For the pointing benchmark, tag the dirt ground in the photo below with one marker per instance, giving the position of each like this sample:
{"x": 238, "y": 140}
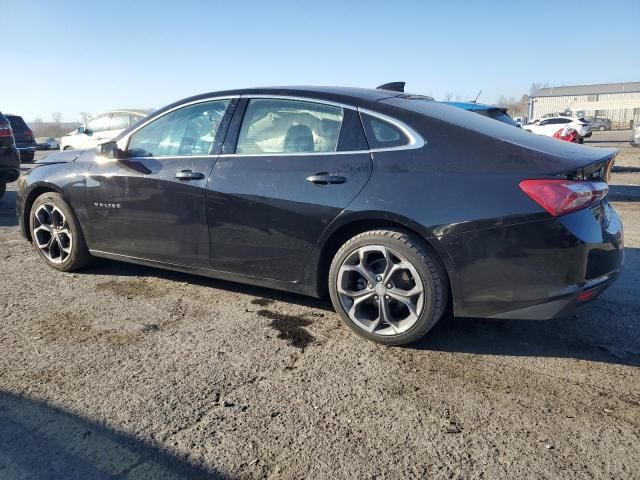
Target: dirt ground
{"x": 123, "y": 371}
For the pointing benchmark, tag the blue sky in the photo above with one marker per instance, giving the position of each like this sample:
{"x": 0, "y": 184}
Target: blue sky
{"x": 71, "y": 56}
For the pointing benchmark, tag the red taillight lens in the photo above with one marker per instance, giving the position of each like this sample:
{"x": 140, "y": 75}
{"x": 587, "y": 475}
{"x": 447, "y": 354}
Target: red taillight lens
{"x": 5, "y": 131}
{"x": 28, "y": 133}
{"x": 559, "y": 197}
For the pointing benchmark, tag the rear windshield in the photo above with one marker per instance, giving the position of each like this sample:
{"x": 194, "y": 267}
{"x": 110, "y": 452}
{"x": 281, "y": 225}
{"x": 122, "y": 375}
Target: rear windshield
{"x": 17, "y": 123}
{"x": 497, "y": 115}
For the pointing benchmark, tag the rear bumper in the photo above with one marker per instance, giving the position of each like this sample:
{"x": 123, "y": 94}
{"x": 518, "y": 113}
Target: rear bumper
{"x": 9, "y": 165}
{"x": 565, "y": 306}
{"x": 536, "y": 270}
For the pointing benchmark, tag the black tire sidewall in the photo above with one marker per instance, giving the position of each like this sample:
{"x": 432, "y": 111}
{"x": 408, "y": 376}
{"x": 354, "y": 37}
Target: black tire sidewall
{"x": 433, "y": 285}
{"x": 79, "y": 255}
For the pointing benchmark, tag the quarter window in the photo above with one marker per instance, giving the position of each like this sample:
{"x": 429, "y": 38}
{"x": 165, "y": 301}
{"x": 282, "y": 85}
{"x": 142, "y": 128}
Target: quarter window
{"x": 382, "y": 134}
{"x": 189, "y": 131}
{"x": 289, "y": 126}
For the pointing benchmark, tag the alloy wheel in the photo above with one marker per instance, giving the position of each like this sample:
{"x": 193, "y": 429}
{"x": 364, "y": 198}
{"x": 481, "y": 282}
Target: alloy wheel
{"x": 380, "y": 290}
{"x": 51, "y": 233}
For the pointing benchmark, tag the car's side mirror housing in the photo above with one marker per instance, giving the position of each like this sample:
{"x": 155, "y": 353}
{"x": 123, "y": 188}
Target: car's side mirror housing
{"x": 109, "y": 150}
{"x": 81, "y": 130}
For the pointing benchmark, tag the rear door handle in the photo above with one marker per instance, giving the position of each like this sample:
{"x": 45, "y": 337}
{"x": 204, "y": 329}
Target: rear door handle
{"x": 324, "y": 178}
{"x": 189, "y": 175}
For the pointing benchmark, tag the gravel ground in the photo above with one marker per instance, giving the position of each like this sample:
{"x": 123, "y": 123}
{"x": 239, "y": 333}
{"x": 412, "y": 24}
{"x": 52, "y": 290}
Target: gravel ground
{"x": 123, "y": 371}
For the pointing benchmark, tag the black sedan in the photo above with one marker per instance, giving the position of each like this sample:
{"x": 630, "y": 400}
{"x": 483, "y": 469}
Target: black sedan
{"x": 397, "y": 206}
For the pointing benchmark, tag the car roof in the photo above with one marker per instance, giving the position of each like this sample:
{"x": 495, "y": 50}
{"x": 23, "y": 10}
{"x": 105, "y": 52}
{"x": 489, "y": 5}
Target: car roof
{"x": 311, "y": 91}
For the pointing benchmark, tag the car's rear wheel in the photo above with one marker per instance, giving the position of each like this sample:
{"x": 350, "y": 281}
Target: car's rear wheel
{"x": 56, "y": 233}
{"x": 67, "y": 148}
{"x": 388, "y": 286}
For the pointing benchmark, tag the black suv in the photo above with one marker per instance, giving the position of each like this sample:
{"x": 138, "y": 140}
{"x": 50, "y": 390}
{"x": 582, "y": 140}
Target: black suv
{"x": 9, "y": 157}
{"x": 24, "y": 138}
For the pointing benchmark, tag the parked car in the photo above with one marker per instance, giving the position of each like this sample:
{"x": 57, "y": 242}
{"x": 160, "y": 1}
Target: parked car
{"x": 635, "y": 137}
{"x": 491, "y": 111}
{"x": 396, "y": 205}
{"x": 47, "y": 143}
{"x": 550, "y": 126}
{"x": 9, "y": 155}
{"x": 23, "y": 135}
{"x": 101, "y": 128}
{"x": 599, "y": 123}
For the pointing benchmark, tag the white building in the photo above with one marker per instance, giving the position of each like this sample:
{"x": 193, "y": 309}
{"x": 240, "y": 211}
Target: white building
{"x": 619, "y": 102}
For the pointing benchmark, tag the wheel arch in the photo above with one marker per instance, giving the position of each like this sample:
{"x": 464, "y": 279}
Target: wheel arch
{"x": 347, "y": 226}
{"x": 30, "y": 198}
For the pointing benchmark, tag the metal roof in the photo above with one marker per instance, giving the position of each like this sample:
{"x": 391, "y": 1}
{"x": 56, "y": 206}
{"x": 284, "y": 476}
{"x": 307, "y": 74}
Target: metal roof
{"x": 627, "y": 87}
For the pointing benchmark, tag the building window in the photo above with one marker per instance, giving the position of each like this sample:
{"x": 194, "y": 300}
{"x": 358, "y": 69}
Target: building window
{"x": 592, "y": 98}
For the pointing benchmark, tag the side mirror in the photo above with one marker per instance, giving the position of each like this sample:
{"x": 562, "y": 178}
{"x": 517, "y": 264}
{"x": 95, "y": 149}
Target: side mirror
{"x": 109, "y": 150}
{"x": 81, "y": 130}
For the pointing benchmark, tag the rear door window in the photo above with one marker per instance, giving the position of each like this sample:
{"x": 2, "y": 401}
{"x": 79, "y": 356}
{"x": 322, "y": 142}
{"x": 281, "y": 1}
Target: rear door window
{"x": 274, "y": 126}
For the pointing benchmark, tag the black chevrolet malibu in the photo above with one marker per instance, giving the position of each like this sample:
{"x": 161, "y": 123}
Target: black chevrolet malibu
{"x": 397, "y": 206}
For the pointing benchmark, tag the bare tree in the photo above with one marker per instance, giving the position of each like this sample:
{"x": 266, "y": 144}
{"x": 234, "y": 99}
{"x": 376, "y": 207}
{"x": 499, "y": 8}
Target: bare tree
{"x": 536, "y": 86}
{"x": 85, "y": 117}
{"x": 56, "y": 117}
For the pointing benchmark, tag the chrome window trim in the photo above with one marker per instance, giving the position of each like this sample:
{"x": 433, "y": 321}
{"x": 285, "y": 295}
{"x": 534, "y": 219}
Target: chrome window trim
{"x": 415, "y": 139}
{"x": 124, "y": 141}
{"x": 300, "y": 99}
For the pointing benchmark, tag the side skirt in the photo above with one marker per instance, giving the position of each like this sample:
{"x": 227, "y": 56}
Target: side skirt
{"x": 293, "y": 287}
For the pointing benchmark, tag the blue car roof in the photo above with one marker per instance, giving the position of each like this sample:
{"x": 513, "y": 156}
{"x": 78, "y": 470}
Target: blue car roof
{"x": 473, "y": 106}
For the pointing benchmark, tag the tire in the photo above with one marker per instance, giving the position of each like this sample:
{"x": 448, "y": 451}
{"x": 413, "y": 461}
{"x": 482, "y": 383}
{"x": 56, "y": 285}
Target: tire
{"x": 27, "y": 157}
{"x": 51, "y": 209}
{"x": 602, "y": 128}
{"x": 3, "y": 189}
{"x": 67, "y": 148}
{"x": 416, "y": 268}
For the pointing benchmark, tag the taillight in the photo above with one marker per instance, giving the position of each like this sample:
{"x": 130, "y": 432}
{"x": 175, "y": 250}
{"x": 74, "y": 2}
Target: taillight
{"x": 5, "y": 130}
{"x": 559, "y": 197}
{"x": 28, "y": 133}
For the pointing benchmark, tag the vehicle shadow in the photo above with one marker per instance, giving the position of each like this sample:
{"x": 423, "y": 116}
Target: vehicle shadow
{"x": 624, "y": 193}
{"x": 8, "y": 217}
{"x": 39, "y": 441}
{"x": 115, "y": 268}
{"x": 606, "y": 330}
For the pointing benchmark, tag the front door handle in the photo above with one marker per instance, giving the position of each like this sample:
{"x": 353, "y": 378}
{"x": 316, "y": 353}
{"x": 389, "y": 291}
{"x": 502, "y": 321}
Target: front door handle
{"x": 324, "y": 178}
{"x": 189, "y": 175}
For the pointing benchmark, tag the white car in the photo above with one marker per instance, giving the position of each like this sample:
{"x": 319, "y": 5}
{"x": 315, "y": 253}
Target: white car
{"x": 550, "y": 126}
{"x": 635, "y": 137}
{"x": 100, "y": 129}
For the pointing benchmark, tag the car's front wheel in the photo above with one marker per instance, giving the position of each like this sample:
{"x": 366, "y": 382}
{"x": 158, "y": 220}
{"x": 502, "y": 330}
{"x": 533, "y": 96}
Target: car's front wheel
{"x": 388, "y": 286}
{"x": 56, "y": 233}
